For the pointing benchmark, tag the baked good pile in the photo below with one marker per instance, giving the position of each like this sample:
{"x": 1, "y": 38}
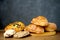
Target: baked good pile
{"x": 39, "y": 26}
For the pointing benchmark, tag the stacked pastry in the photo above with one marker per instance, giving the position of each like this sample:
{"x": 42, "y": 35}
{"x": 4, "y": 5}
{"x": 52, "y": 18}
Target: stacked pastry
{"x": 41, "y": 27}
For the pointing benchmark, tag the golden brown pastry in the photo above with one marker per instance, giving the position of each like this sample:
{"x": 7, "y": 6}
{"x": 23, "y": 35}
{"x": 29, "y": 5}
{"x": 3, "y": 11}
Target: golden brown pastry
{"x": 34, "y": 28}
{"x": 17, "y": 26}
{"x": 40, "y": 20}
{"x": 51, "y": 27}
{"x": 44, "y": 34}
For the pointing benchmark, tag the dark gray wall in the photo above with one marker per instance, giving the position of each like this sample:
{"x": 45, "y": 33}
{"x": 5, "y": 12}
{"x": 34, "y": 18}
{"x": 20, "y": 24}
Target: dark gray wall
{"x": 25, "y": 10}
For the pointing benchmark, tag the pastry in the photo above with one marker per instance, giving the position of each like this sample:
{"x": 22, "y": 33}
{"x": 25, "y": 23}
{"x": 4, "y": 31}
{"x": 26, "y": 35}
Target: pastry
{"x": 34, "y": 28}
{"x": 40, "y": 20}
{"x": 9, "y": 33}
{"x": 21, "y": 34}
{"x": 17, "y": 26}
{"x": 51, "y": 27}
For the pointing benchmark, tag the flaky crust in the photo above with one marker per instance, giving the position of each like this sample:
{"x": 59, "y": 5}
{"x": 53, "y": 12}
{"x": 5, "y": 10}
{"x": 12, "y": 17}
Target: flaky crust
{"x": 40, "y": 20}
{"x": 34, "y": 28}
{"x": 51, "y": 27}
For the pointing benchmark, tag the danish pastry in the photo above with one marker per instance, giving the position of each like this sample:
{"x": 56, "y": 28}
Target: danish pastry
{"x": 17, "y": 26}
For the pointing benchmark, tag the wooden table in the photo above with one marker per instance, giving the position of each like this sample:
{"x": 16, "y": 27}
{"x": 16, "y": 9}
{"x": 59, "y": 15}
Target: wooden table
{"x": 55, "y": 37}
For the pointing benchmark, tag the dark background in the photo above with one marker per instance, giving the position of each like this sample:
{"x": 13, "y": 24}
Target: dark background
{"x": 25, "y": 10}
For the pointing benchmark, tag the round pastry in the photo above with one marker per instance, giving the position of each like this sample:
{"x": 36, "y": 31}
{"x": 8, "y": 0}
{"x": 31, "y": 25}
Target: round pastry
{"x": 40, "y": 20}
{"x": 34, "y": 28}
{"x": 17, "y": 26}
{"x": 44, "y": 34}
{"x": 51, "y": 27}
